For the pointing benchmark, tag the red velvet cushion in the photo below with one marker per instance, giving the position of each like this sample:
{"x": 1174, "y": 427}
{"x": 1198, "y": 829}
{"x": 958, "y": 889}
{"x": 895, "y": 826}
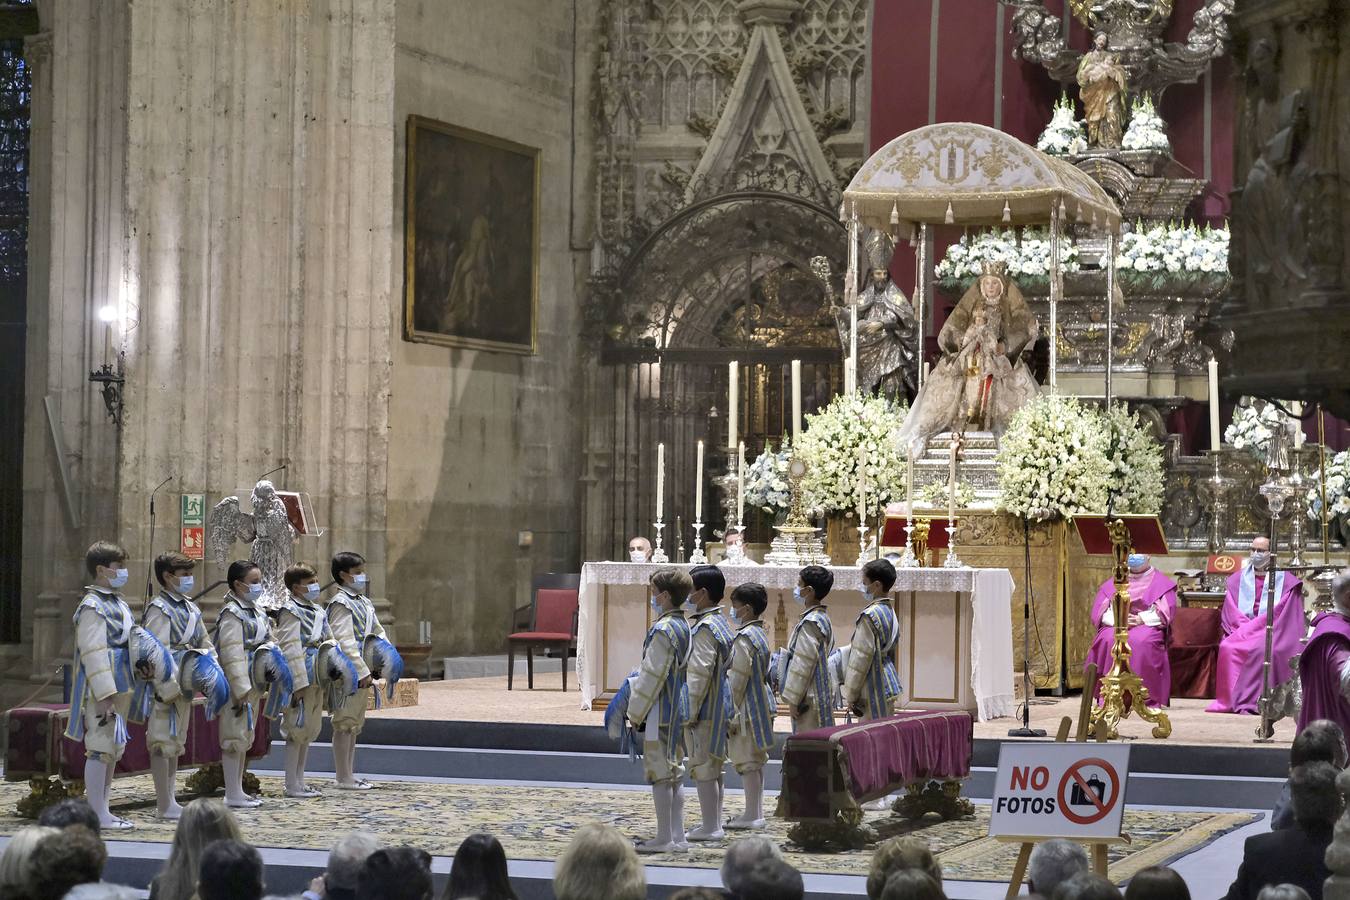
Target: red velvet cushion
{"x": 554, "y": 610}
{"x": 541, "y": 636}
{"x": 1196, "y": 626}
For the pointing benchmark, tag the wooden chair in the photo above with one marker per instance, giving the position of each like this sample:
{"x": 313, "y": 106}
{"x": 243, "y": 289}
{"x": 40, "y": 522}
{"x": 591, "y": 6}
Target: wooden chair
{"x": 553, "y": 625}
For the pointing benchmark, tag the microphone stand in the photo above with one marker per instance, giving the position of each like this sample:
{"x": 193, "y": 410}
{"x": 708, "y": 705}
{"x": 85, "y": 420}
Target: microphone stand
{"x": 1026, "y": 731}
{"x": 150, "y": 565}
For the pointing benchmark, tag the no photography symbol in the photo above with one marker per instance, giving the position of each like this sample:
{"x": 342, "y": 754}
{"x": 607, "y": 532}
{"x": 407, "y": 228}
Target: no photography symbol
{"x": 1100, "y": 798}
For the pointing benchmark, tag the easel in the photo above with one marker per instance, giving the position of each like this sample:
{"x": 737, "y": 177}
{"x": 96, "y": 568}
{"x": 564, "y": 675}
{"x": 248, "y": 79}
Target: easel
{"x": 1096, "y": 847}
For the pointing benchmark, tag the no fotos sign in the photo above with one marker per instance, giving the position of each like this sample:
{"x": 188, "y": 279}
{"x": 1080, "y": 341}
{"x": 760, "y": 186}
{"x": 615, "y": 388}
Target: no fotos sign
{"x": 1060, "y": 790}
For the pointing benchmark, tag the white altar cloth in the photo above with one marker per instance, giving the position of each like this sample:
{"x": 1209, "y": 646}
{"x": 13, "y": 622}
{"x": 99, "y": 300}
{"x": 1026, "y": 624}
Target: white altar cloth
{"x": 952, "y": 622}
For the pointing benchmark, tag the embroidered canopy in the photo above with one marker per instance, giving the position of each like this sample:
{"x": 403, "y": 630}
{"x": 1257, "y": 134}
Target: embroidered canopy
{"x": 983, "y": 176}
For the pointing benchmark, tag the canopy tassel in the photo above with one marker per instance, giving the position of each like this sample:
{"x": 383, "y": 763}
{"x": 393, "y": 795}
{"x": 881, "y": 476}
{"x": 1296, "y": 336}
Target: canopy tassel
{"x": 1007, "y": 212}
{"x": 950, "y": 218}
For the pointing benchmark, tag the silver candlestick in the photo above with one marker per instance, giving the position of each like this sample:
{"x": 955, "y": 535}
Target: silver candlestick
{"x": 659, "y": 555}
{"x": 1214, "y": 493}
{"x": 697, "y": 558}
{"x": 952, "y": 561}
{"x": 862, "y": 546}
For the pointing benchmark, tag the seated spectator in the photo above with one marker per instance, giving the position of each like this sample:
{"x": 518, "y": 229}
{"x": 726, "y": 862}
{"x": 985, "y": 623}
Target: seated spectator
{"x": 639, "y": 549}
{"x": 911, "y": 884}
{"x": 203, "y": 822}
{"x": 698, "y": 893}
{"x": 62, "y": 860}
{"x": 599, "y": 864}
{"x": 1086, "y": 886}
{"x": 741, "y": 857}
{"x": 772, "y": 879}
{"x": 101, "y": 890}
{"x": 1052, "y": 863}
{"x": 15, "y": 861}
{"x": 479, "y": 871}
{"x": 70, "y": 811}
{"x": 395, "y": 873}
{"x": 230, "y": 870}
{"x": 1321, "y": 740}
{"x": 338, "y": 882}
{"x": 1157, "y": 883}
{"x": 1282, "y": 892}
{"x": 1296, "y": 855}
{"x": 908, "y": 852}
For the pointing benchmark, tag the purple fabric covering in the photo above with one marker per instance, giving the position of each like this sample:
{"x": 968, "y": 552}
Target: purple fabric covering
{"x": 1326, "y": 654}
{"x": 1242, "y": 654}
{"x": 1148, "y": 645}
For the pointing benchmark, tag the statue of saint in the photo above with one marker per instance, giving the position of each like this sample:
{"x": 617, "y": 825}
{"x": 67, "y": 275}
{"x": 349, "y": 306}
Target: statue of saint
{"x": 1102, "y": 85}
{"x": 887, "y": 328}
{"x": 981, "y": 379}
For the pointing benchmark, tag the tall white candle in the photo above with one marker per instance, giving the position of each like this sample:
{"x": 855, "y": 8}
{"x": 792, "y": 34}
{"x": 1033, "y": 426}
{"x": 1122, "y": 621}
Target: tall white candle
{"x": 698, "y": 486}
{"x": 733, "y": 402}
{"x": 850, "y": 377}
{"x": 1215, "y": 438}
{"x": 909, "y": 486}
{"x": 951, "y": 486}
{"x": 796, "y": 401}
{"x": 862, "y": 485}
{"x": 660, "y": 481}
{"x": 740, "y": 483}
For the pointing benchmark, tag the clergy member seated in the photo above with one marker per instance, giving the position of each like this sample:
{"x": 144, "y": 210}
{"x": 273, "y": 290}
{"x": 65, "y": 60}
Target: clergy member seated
{"x": 1243, "y": 651}
{"x": 1153, "y": 602}
{"x": 734, "y": 541}
{"x": 639, "y": 550}
{"x": 1324, "y": 668}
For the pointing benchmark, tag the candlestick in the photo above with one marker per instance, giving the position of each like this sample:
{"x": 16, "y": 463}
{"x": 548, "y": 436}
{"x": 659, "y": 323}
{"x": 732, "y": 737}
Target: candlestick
{"x": 796, "y": 401}
{"x": 698, "y": 486}
{"x": 1215, "y": 439}
{"x": 952, "y": 561}
{"x": 740, "y": 484}
{"x": 909, "y": 483}
{"x": 733, "y": 402}
{"x": 660, "y": 481}
{"x": 659, "y": 555}
{"x": 862, "y": 559}
{"x": 697, "y": 558}
{"x": 907, "y": 559}
{"x": 862, "y": 486}
{"x": 951, "y": 480}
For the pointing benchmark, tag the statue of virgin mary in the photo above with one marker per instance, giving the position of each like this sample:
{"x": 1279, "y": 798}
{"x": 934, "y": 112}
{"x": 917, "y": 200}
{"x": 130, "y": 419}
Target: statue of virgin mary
{"x": 981, "y": 379}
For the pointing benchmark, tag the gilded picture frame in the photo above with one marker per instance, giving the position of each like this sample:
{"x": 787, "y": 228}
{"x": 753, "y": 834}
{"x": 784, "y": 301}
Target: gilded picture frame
{"x": 471, "y": 236}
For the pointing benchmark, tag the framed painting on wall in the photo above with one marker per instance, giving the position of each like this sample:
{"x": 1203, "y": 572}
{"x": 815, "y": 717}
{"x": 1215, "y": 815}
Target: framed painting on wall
{"x": 471, "y": 234}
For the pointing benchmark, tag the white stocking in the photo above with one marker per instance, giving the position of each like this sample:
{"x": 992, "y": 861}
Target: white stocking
{"x": 164, "y": 769}
{"x": 344, "y": 756}
{"x": 96, "y": 781}
{"x": 295, "y": 781}
{"x": 710, "y": 809}
{"x": 661, "y": 799}
{"x": 232, "y": 765}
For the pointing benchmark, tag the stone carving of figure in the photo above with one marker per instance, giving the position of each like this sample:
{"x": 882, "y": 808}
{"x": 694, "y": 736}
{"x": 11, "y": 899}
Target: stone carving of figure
{"x": 1274, "y": 238}
{"x": 266, "y": 526}
{"x": 887, "y": 329}
{"x": 981, "y": 379}
{"x": 1102, "y": 85}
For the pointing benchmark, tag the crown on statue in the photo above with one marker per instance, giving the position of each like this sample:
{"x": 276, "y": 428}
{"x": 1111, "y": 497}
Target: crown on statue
{"x": 994, "y": 267}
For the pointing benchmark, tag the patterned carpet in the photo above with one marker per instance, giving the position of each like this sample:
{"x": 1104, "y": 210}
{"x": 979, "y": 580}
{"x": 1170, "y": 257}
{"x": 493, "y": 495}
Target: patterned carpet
{"x": 537, "y": 822}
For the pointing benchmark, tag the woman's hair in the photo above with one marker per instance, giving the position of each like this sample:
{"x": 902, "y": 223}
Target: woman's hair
{"x": 908, "y": 852}
{"x": 599, "y": 862}
{"x": 203, "y": 821}
{"x": 14, "y": 861}
{"x": 479, "y": 871}
{"x": 1157, "y": 883}
{"x": 238, "y": 571}
{"x": 911, "y": 884}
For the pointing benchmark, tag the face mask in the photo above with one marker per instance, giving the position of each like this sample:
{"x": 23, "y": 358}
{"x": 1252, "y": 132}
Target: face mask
{"x": 689, "y": 607}
{"x": 637, "y": 555}
{"x": 657, "y": 607}
{"x": 252, "y": 591}
{"x": 1137, "y": 562}
{"x": 119, "y": 579}
{"x": 1260, "y": 558}
{"x": 797, "y": 595}
{"x": 186, "y": 583}
{"x": 733, "y": 618}
{"x": 361, "y": 579}
{"x": 312, "y": 591}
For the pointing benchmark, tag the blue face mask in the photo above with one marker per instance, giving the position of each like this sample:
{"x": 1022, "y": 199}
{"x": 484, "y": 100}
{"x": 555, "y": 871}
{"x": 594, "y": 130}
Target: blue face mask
{"x": 361, "y": 579}
{"x": 1136, "y": 561}
{"x": 657, "y": 606}
{"x": 312, "y": 591}
{"x": 797, "y": 595}
{"x": 186, "y": 583}
{"x": 119, "y": 579}
{"x": 252, "y": 591}
{"x": 733, "y": 618}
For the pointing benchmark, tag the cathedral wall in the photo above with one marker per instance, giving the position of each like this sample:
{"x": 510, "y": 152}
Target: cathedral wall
{"x": 485, "y": 445}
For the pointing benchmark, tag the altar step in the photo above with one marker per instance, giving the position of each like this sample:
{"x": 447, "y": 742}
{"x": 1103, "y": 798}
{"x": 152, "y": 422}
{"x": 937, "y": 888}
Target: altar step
{"x": 975, "y": 466}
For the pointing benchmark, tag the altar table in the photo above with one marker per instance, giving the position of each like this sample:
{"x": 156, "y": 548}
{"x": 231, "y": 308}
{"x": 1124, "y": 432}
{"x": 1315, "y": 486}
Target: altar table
{"x": 955, "y": 649}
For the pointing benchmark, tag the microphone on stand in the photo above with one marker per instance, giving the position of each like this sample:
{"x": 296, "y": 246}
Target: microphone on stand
{"x": 150, "y": 566}
{"x": 285, "y": 464}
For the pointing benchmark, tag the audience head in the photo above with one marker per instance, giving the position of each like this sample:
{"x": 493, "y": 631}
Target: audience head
{"x": 710, "y": 585}
{"x": 1340, "y": 591}
{"x": 345, "y": 860}
{"x": 749, "y": 601}
{"x": 742, "y": 856}
{"x": 697, "y": 893}
{"x": 70, "y": 811}
{"x": 639, "y": 549}
{"x": 479, "y": 871}
{"x": 907, "y": 852}
{"x": 15, "y": 861}
{"x": 1087, "y": 886}
{"x": 1157, "y": 883}
{"x": 203, "y": 822}
{"x": 878, "y": 573}
{"x": 1282, "y": 892}
{"x": 395, "y": 873}
{"x": 814, "y": 584}
{"x": 230, "y": 870}
{"x": 771, "y": 879}
{"x": 60, "y": 861}
{"x": 671, "y": 587}
{"x": 600, "y": 862}
{"x": 1317, "y": 803}
{"x": 1052, "y": 863}
{"x": 911, "y": 884}
{"x": 1321, "y": 740}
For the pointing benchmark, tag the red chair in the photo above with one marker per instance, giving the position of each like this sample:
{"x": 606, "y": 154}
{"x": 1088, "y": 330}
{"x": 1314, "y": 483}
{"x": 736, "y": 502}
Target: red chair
{"x": 553, "y": 625}
{"x": 1194, "y": 654}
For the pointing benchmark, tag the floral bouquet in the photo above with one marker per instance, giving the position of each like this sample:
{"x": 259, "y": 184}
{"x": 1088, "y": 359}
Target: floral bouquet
{"x": 933, "y": 495}
{"x": 1338, "y": 499}
{"x": 830, "y": 448}
{"x": 1136, "y": 464}
{"x": 1146, "y": 131}
{"x": 1052, "y": 460}
{"x": 766, "y": 480}
{"x": 1028, "y": 259}
{"x": 1158, "y": 255}
{"x": 1064, "y": 136}
{"x": 1252, "y": 428}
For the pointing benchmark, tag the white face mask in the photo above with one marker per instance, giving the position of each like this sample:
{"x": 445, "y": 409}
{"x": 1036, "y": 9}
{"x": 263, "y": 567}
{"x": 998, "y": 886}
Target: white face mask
{"x": 119, "y": 578}
{"x": 312, "y": 591}
{"x": 186, "y": 583}
{"x": 252, "y": 591}
{"x": 637, "y": 556}
{"x": 360, "y": 579}
{"x": 797, "y": 595}
{"x": 1260, "y": 558}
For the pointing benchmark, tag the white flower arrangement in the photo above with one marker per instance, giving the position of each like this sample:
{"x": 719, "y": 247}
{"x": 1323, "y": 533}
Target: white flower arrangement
{"x": 1027, "y": 259}
{"x": 1173, "y": 249}
{"x": 1146, "y": 130}
{"x": 766, "y": 480}
{"x": 829, "y": 446}
{"x": 1252, "y": 428}
{"x": 1136, "y": 460}
{"x": 933, "y": 495}
{"x": 1064, "y": 136}
{"x": 1052, "y": 460}
{"x": 1338, "y": 498}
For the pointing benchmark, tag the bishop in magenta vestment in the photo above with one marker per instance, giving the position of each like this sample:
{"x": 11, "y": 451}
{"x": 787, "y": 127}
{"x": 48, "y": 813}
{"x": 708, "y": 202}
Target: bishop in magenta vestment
{"x": 1243, "y": 651}
{"x": 1153, "y": 599}
{"x": 1322, "y": 671}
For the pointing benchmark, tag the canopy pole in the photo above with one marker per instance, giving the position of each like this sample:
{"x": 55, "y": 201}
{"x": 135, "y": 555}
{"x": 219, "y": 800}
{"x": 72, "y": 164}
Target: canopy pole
{"x": 1056, "y": 288}
{"x": 924, "y": 265}
{"x": 851, "y": 300}
{"x": 1110, "y": 310}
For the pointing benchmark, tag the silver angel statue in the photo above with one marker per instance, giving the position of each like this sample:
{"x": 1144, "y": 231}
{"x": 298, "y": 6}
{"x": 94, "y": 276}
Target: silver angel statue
{"x": 267, "y": 528}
